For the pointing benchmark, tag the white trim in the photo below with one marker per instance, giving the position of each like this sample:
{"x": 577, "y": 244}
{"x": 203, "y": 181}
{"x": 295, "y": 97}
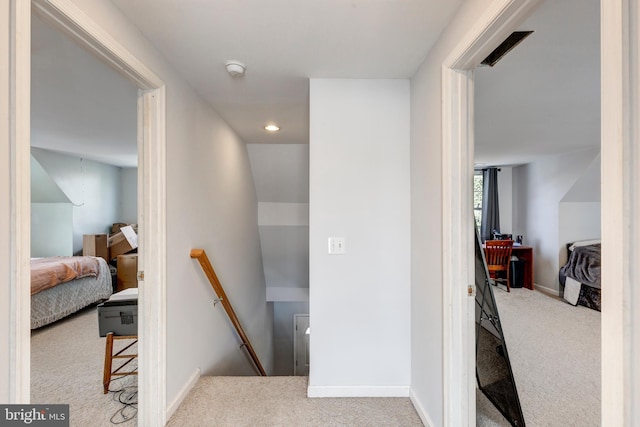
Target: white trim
{"x": 152, "y": 237}
{"x": 183, "y": 393}
{"x": 422, "y": 413}
{"x": 20, "y": 240}
{"x": 620, "y": 105}
{"x": 287, "y": 294}
{"x": 295, "y": 339}
{"x": 73, "y": 21}
{"x": 499, "y": 19}
{"x": 546, "y": 290}
{"x": 357, "y": 391}
{"x": 152, "y": 149}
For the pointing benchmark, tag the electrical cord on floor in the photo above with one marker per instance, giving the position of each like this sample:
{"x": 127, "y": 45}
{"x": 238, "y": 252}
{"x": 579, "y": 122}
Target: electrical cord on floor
{"x": 128, "y": 397}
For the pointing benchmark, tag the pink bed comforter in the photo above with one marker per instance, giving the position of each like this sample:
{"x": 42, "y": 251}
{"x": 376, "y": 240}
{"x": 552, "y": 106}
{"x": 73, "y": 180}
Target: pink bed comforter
{"x": 49, "y": 272}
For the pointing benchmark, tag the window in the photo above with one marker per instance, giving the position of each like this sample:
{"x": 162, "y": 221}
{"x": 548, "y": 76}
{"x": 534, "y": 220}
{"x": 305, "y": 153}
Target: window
{"x": 477, "y": 197}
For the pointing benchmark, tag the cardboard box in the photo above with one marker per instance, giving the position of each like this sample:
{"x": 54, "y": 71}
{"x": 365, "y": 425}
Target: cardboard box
{"x": 122, "y": 242}
{"x": 115, "y": 228}
{"x": 95, "y": 245}
{"x": 119, "y": 314}
{"x": 127, "y": 275}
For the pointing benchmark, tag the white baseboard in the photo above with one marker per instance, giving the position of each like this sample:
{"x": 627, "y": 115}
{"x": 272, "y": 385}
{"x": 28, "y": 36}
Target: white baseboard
{"x": 420, "y": 410}
{"x": 358, "y": 391}
{"x": 182, "y": 394}
{"x": 551, "y": 291}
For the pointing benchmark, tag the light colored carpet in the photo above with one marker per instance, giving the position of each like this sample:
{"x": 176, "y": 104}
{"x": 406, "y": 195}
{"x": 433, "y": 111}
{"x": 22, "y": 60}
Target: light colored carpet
{"x": 282, "y": 402}
{"x": 555, "y": 357}
{"x": 554, "y": 350}
{"x": 67, "y": 360}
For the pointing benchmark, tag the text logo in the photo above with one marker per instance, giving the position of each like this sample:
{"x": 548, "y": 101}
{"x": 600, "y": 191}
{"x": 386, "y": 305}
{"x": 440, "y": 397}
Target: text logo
{"x": 34, "y": 415}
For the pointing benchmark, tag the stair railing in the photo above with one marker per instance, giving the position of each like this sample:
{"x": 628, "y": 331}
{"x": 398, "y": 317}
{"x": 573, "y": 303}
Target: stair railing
{"x": 201, "y": 256}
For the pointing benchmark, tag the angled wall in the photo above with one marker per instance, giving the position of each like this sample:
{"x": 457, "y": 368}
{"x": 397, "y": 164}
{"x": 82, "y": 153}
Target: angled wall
{"x": 211, "y": 204}
{"x": 539, "y": 191}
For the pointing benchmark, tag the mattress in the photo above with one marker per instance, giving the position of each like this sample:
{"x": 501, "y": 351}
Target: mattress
{"x": 64, "y": 299}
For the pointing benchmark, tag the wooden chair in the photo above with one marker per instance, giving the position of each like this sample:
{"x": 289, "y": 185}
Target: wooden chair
{"x": 498, "y": 255}
{"x": 109, "y": 356}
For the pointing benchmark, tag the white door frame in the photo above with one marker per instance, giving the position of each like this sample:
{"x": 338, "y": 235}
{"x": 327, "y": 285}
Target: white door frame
{"x": 620, "y": 204}
{"x": 295, "y": 340}
{"x": 151, "y": 199}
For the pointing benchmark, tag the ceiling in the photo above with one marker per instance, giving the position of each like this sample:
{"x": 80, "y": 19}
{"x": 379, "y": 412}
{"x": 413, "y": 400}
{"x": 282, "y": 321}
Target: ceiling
{"x": 543, "y": 97}
{"x": 78, "y": 104}
{"x": 284, "y": 43}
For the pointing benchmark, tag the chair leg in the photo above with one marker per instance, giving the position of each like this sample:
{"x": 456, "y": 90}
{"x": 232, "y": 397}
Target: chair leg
{"x": 508, "y": 279}
{"x": 108, "y": 351}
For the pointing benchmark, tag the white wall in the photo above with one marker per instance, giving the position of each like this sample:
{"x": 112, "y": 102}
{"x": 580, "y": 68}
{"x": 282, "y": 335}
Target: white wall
{"x": 359, "y": 190}
{"x": 539, "y": 189}
{"x": 51, "y": 229}
{"x": 92, "y": 187}
{"x": 426, "y": 218}
{"x": 101, "y": 194}
{"x": 211, "y": 203}
{"x": 578, "y": 221}
{"x": 128, "y": 208}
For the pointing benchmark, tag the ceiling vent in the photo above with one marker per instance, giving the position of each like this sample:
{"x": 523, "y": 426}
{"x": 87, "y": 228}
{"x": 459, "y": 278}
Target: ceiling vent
{"x": 505, "y": 47}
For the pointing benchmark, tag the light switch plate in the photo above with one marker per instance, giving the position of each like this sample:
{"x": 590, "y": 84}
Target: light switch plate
{"x": 337, "y": 245}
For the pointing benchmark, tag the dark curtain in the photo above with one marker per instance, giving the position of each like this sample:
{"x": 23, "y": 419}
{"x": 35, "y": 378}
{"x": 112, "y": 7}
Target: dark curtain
{"x": 490, "y": 209}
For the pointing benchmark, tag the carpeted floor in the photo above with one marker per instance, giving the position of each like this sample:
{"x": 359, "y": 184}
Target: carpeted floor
{"x": 283, "y": 402}
{"x": 554, "y": 350}
{"x": 67, "y": 360}
{"x": 555, "y": 357}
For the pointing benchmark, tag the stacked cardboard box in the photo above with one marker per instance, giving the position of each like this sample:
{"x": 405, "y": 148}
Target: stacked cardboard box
{"x": 122, "y": 242}
{"x": 95, "y": 245}
{"x": 127, "y": 276}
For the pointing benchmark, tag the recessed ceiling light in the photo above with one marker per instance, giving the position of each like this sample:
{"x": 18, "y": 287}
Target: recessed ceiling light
{"x": 272, "y": 128}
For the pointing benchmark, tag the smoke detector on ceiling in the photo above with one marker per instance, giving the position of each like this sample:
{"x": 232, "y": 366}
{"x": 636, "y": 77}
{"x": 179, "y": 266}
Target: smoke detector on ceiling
{"x": 235, "y": 68}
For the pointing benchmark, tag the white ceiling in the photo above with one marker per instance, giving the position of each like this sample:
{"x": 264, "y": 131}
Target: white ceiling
{"x": 284, "y": 43}
{"x": 542, "y": 98}
{"x": 78, "y": 104}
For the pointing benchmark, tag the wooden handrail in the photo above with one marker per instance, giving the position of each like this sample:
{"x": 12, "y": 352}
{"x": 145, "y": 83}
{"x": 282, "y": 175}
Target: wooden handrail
{"x": 201, "y": 256}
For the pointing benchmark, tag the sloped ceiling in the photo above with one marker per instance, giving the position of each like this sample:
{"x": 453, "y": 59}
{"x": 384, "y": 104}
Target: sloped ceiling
{"x": 43, "y": 187}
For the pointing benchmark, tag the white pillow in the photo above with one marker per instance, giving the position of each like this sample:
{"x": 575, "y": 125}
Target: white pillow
{"x": 584, "y": 243}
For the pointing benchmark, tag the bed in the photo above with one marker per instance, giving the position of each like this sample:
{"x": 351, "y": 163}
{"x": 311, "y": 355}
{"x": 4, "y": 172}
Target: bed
{"x": 581, "y": 274}
{"x": 61, "y": 286}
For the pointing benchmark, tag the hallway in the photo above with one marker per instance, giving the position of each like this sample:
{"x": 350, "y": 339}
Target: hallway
{"x": 282, "y": 401}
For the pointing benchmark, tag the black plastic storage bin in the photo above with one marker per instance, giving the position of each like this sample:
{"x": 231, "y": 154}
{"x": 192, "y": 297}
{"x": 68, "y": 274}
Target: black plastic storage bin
{"x": 517, "y": 273}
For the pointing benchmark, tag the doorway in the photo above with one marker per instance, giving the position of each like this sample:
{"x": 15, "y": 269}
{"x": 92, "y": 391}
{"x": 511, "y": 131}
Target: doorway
{"x": 301, "y": 338}
{"x": 84, "y": 145}
{"x": 457, "y": 143}
{"x": 151, "y": 201}
{"x": 549, "y": 193}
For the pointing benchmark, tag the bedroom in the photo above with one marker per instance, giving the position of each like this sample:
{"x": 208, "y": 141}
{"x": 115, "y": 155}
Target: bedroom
{"x": 538, "y": 121}
{"x": 84, "y": 180}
